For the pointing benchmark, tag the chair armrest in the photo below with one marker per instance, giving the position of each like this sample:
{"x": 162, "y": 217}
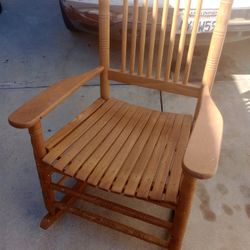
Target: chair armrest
{"x": 36, "y": 108}
{"x": 203, "y": 150}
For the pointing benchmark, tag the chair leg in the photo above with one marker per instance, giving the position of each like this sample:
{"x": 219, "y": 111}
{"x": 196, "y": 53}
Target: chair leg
{"x": 48, "y": 193}
{"x": 67, "y": 200}
{"x": 45, "y": 173}
{"x": 49, "y": 219}
{"x": 43, "y": 170}
{"x": 182, "y": 211}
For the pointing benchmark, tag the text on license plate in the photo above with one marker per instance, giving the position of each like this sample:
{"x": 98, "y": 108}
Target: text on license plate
{"x": 206, "y": 22}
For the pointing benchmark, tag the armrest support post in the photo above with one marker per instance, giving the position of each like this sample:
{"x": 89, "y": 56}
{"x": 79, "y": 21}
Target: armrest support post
{"x": 37, "y": 141}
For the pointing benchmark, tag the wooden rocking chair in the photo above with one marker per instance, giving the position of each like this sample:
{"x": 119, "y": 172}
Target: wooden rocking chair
{"x": 126, "y": 149}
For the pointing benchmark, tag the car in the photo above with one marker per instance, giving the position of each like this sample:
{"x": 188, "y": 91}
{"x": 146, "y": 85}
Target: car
{"x": 82, "y": 15}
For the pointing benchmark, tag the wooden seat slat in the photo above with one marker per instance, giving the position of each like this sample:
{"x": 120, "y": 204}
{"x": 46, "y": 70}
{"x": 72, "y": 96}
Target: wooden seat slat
{"x": 135, "y": 154}
{"x": 104, "y": 163}
{"x": 71, "y": 153}
{"x": 115, "y": 166}
{"x": 172, "y": 187}
{"x": 99, "y": 136}
{"x": 139, "y": 167}
{"x": 74, "y": 136}
{"x": 62, "y": 133}
{"x": 166, "y": 160}
{"x": 151, "y": 169}
{"x": 93, "y": 160}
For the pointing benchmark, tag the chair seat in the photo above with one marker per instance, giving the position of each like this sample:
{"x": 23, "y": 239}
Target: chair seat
{"x": 123, "y": 148}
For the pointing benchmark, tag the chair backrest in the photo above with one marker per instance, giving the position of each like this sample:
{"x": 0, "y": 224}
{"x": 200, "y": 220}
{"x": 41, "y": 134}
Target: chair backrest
{"x": 142, "y": 56}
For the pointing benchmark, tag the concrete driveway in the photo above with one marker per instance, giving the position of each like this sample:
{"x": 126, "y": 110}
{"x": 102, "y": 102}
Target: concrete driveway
{"x": 35, "y": 51}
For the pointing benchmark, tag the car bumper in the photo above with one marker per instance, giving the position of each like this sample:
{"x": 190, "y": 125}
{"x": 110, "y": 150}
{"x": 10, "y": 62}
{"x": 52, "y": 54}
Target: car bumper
{"x": 84, "y": 16}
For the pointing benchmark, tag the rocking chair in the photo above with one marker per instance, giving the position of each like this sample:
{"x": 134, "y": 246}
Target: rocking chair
{"x": 127, "y": 149}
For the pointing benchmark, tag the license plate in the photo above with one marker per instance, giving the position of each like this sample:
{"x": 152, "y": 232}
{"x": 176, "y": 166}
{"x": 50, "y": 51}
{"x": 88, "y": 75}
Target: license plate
{"x": 206, "y": 22}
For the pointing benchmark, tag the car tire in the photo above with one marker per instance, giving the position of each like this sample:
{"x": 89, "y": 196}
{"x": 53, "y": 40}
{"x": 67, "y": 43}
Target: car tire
{"x": 66, "y": 20}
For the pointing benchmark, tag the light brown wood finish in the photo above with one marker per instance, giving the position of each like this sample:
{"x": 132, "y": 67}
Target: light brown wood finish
{"x": 127, "y": 165}
{"x": 217, "y": 42}
{"x": 63, "y": 132}
{"x": 162, "y": 38}
{"x": 128, "y": 149}
{"x": 68, "y": 199}
{"x": 116, "y": 149}
{"x": 114, "y": 225}
{"x": 104, "y": 163}
{"x": 115, "y": 207}
{"x": 172, "y": 40}
{"x": 44, "y": 173}
{"x": 172, "y": 188}
{"x": 166, "y": 161}
{"x": 115, "y": 166}
{"x": 182, "y": 211}
{"x": 143, "y": 36}
{"x": 192, "y": 42}
{"x": 135, "y": 164}
{"x": 124, "y": 34}
{"x": 152, "y": 38}
{"x": 81, "y": 153}
{"x": 182, "y": 40}
{"x": 168, "y": 86}
{"x": 202, "y": 154}
{"x": 89, "y": 165}
{"x": 78, "y": 153}
{"x": 32, "y": 111}
{"x": 104, "y": 44}
{"x": 134, "y": 37}
{"x": 155, "y": 159}
{"x": 76, "y": 134}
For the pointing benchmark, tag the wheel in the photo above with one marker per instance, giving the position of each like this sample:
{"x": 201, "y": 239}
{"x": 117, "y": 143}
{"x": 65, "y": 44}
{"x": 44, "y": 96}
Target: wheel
{"x": 66, "y": 20}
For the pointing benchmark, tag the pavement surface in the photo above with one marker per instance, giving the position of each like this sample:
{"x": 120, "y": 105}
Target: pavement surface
{"x": 35, "y": 51}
